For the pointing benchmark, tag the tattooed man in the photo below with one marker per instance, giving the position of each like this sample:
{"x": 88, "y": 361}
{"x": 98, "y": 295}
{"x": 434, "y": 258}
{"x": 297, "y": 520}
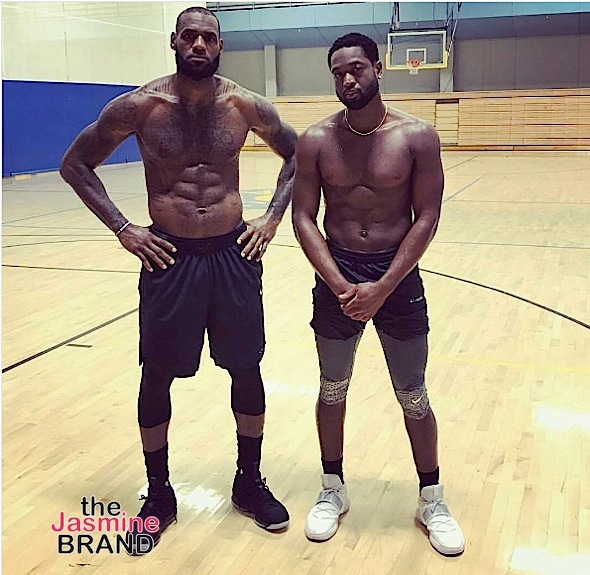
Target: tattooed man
{"x": 202, "y": 265}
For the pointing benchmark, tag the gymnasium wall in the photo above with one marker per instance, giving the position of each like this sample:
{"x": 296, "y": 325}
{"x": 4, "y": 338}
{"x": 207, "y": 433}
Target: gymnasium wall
{"x": 304, "y": 72}
{"x": 62, "y": 61}
{"x": 548, "y": 120}
{"x": 522, "y": 63}
{"x": 245, "y": 67}
{"x": 494, "y": 64}
{"x": 40, "y": 120}
{"x": 97, "y": 42}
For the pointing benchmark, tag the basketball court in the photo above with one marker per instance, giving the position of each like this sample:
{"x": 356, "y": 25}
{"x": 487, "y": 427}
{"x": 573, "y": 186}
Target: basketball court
{"x": 507, "y": 285}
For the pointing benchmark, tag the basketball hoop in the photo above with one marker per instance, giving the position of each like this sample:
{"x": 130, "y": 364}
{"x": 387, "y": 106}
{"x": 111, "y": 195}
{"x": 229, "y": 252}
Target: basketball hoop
{"x": 413, "y": 66}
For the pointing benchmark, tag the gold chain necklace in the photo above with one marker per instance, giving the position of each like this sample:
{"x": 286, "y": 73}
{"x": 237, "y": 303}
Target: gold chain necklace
{"x": 364, "y": 133}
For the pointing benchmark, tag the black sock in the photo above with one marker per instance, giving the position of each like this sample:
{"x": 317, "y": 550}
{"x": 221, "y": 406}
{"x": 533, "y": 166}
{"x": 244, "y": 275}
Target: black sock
{"x": 429, "y": 478}
{"x": 156, "y": 463}
{"x": 249, "y": 452}
{"x": 333, "y": 468}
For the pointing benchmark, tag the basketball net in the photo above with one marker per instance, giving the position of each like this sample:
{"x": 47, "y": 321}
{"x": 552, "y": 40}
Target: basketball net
{"x": 413, "y": 66}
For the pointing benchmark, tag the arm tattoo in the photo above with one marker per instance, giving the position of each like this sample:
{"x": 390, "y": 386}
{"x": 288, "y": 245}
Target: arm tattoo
{"x": 282, "y": 139}
{"x": 266, "y": 112}
{"x": 284, "y": 191}
{"x": 92, "y": 146}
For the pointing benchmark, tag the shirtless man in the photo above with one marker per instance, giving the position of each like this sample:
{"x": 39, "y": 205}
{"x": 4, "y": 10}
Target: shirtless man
{"x": 382, "y": 181}
{"x": 201, "y": 262}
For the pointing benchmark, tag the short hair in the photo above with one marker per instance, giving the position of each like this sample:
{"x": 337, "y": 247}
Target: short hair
{"x": 353, "y": 39}
{"x": 199, "y": 10}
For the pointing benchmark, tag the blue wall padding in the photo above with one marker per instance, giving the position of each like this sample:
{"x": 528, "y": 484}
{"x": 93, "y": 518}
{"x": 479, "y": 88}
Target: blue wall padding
{"x": 41, "y": 119}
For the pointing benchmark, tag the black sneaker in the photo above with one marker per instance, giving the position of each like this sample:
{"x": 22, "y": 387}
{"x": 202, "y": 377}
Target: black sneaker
{"x": 252, "y": 497}
{"x": 160, "y": 503}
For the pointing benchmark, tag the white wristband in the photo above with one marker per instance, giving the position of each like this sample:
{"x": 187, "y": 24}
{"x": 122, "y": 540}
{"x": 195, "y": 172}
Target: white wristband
{"x": 122, "y": 229}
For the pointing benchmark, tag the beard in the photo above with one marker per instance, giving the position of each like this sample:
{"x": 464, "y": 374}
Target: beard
{"x": 365, "y": 98}
{"x": 198, "y": 72}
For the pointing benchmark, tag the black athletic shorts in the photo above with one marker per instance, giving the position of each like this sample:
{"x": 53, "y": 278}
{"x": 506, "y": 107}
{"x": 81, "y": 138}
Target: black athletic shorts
{"x": 403, "y": 316}
{"x": 210, "y": 286}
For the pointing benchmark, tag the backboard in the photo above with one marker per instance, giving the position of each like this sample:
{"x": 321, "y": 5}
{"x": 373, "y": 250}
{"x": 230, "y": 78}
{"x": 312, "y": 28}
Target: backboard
{"x": 404, "y": 49}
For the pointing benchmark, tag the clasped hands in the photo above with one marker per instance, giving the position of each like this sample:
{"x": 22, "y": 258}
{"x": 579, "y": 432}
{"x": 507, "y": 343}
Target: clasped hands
{"x": 362, "y": 301}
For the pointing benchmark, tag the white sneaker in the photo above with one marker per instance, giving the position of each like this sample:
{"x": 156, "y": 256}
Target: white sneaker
{"x": 332, "y": 502}
{"x": 444, "y": 532}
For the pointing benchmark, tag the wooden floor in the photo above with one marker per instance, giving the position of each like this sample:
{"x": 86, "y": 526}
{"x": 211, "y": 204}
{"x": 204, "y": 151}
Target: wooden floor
{"x": 507, "y": 280}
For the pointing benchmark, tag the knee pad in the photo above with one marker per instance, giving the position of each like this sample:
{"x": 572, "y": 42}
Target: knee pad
{"x": 153, "y": 405}
{"x": 333, "y": 392}
{"x": 247, "y": 391}
{"x": 406, "y": 361}
{"x": 414, "y": 402}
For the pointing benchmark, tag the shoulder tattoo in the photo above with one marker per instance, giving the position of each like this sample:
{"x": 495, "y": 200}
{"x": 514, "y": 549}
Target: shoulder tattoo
{"x": 121, "y": 115}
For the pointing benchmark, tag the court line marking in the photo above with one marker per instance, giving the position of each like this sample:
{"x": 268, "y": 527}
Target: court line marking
{"x": 130, "y": 197}
{"x": 524, "y": 202}
{"x": 107, "y": 239}
{"x": 509, "y": 294}
{"x": 538, "y": 173}
{"x": 96, "y": 328}
{"x": 45, "y": 227}
{"x": 462, "y": 190}
{"x": 105, "y": 236}
{"x": 46, "y": 191}
{"x": 460, "y": 163}
{"x": 60, "y": 269}
{"x": 66, "y": 210}
{"x": 67, "y": 235}
{"x": 511, "y": 245}
{"x": 67, "y": 341}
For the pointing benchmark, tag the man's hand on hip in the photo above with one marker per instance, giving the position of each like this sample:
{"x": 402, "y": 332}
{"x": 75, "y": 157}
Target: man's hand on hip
{"x": 259, "y": 233}
{"x": 148, "y": 247}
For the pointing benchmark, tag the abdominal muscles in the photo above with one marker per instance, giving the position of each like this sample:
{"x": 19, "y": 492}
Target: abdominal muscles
{"x": 365, "y": 219}
{"x": 200, "y": 201}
